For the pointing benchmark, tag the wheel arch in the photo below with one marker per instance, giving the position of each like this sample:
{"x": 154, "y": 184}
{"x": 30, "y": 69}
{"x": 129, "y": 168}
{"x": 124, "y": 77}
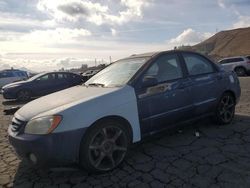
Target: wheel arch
{"x": 239, "y": 66}
{"x": 24, "y": 89}
{"x": 231, "y": 92}
{"x": 120, "y": 119}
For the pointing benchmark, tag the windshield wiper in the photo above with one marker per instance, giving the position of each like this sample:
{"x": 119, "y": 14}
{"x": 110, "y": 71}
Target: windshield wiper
{"x": 96, "y": 84}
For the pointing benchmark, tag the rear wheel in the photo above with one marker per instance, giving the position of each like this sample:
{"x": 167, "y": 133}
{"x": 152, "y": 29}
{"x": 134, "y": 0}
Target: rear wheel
{"x": 240, "y": 71}
{"x": 225, "y": 109}
{"x": 24, "y": 95}
{"x": 104, "y": 146}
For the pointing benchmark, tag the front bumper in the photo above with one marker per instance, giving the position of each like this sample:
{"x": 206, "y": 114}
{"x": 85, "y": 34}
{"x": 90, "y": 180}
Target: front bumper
{"x": 50, "y": 150}
{"x": 8, "y": 94}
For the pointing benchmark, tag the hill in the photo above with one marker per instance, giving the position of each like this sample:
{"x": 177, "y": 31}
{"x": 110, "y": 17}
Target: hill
{"x": 226, "y": 43}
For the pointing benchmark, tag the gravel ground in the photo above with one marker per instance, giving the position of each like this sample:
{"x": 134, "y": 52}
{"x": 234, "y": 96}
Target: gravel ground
{"x": 218, "y": 157}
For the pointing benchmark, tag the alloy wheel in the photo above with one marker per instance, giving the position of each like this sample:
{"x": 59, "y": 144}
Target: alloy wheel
{"x": 240, "y": 71}
{"x": 24, "y": 95}
{"x": 226, "y": 108}
{"x": 107, "y": 148}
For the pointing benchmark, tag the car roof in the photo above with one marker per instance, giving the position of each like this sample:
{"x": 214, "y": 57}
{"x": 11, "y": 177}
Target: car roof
{"x": 14, "y": 70}
{"x": 232, "y": 57}
{"x": 152, "y": 54}
{"x": 56, "y": 72}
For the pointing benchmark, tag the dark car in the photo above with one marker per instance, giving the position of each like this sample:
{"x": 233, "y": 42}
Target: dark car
{"x": 41, "y": 84}
{"x": 88, "y": 74}
{"x": 125, "y": 102}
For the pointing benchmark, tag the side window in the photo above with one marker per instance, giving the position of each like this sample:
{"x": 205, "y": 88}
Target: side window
{"x": 166, "y": 67}
{"x": 43, "y": 78}
{"x": 7, "y": 74}
{"x": 197, "y": 65}
{"x": 61, "y": 76}
{"x": 47, "y": 77}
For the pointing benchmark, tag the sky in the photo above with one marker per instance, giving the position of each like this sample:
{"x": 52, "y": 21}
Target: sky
{"x": 43, "y": 35}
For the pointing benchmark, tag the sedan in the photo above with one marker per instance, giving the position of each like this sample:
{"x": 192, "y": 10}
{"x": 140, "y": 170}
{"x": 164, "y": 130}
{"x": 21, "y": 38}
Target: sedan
{"x": 94, "y": 124}
{"x": 39, "y": 85}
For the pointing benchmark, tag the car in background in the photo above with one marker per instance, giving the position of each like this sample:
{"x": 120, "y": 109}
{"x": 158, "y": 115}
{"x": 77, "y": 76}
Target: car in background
{"x": 40, "y": 84}
{"x": 88, "y": 74}
{"x": 12, "y": 75}
{"x": 94, "y": 124}
{"x": 240, "y": 64}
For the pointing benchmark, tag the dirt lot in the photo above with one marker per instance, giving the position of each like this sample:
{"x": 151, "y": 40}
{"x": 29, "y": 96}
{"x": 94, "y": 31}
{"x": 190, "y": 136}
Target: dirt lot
{"x": 218, "y": 157}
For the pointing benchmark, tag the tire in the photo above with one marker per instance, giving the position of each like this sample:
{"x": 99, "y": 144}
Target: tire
{"x": 104, "y": 146}
{"x": 24, "y": 95}
{"x": 240, "y": 71}
{"x": 225, "y": 109}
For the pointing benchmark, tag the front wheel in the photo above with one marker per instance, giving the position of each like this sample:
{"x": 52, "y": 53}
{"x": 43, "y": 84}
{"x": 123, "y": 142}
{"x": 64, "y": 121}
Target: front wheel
{"x": 225, "y": 109}
{"x": 104, "y": 146}
{"x": 23, "y": 95}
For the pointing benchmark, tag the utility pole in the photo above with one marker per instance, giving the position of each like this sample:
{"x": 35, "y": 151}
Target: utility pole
{"x": 110, "y": 60}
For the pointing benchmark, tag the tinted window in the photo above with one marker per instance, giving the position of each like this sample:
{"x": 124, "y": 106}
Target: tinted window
{"x": 20, "y": 74}
{"x": 231, "y": 60}
{"x": 197, "y": 64}
{"x": 248, "y": 57}
{"x": 6, "y": 74}
{"x": 223, "y": 61}
{"x": 47, "y": 77}
{"x": 73, "y": 75}
{"x": 166, "y": 67}
{"x": 61, "y": 76}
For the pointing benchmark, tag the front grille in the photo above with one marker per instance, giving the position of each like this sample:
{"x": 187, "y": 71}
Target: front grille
{"x": 17, "y": 124}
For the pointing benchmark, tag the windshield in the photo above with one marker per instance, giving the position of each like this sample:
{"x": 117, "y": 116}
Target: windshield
{"x": 35, "y": 77}
{"x": 117, "y": 74}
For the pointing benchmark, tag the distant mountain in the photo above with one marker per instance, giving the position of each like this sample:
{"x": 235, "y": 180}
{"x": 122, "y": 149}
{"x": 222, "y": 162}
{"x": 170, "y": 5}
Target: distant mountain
{"x": 228, "y": 43}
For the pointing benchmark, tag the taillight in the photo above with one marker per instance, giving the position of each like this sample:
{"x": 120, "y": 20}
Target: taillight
{"x": 248, "y": 62}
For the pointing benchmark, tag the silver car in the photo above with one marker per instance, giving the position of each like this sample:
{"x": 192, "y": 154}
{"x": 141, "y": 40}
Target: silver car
{"x": 241, "y": 65}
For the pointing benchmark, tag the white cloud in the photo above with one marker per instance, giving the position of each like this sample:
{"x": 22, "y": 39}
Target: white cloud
{"x": 189, "y": 37}
{"x": 221, "y": 3}
{"x": 75, "y": 10}
{"x": 243, "y": 21}
{"x": 113, "y": 32}
{"x": 58, "y": 35}
{"x": 46, "y": 64}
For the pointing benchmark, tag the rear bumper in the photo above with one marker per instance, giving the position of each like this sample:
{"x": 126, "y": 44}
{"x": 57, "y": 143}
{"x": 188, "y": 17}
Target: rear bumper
{"x": 50, "y": 150}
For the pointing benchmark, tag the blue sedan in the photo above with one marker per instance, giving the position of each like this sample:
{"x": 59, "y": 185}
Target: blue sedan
{"x": 94, "y": 124}
{"x": 39, "y": 85}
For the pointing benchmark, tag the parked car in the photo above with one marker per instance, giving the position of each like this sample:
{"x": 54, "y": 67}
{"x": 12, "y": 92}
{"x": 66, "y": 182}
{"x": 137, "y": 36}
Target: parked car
{"x": 12, "y": 75}
{"x": 241, "y": 65}
{"x": 88, "y": 74}
{"x": 40, "y": 84}
{"x": 94, "y": 124}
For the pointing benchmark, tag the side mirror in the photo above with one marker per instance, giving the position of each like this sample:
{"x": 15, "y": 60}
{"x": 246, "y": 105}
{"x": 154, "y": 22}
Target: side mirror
{"x": 149, "y": 81}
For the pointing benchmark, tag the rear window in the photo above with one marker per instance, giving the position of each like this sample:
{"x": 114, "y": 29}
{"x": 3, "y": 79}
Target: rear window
{"x": 231, "y": 60}
{"x": 248, "y": 57}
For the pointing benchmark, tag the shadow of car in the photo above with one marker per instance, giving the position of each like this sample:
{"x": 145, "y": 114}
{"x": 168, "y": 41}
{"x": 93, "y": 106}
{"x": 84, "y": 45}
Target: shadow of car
{"x": 40, "y": 85}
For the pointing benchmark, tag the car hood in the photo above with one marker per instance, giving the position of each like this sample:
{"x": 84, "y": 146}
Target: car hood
{"x": 59, "y": 99}
{"x": 14, "y": 84}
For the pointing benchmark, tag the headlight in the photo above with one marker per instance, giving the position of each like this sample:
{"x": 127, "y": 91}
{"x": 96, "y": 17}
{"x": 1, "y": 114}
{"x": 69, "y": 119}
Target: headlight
{"x": 43, "y": 125}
